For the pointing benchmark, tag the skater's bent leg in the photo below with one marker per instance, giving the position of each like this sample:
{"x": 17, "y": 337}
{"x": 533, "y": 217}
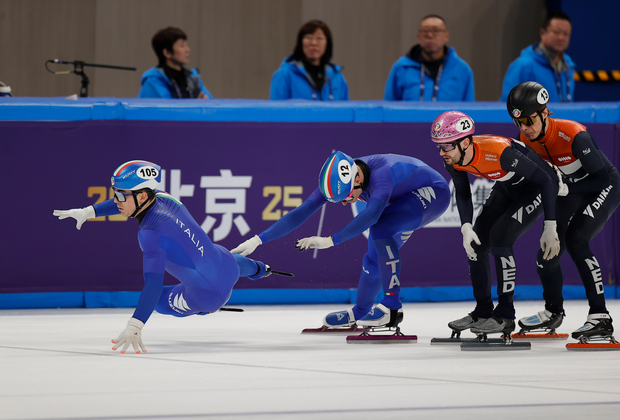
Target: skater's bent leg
{"x": 368, "y": 287}
{"x": 249, "y": 268}
{"x": 183, "y": 301}
{"x": 389, "y": 270}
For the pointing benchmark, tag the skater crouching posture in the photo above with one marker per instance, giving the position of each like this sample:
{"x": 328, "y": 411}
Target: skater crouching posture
{"x": 591, "y": 199}
{"x": 171, "y": 241}
{"x": 402, "y": 194}
{"x": 525, "y": 186}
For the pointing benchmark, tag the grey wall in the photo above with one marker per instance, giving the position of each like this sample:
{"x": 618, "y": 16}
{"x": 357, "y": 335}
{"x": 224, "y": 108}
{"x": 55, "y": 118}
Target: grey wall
{"x": 238, "y": 44}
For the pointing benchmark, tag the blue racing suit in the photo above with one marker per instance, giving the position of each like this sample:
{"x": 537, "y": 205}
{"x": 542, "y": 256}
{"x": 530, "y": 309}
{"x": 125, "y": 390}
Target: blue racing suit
{"x": 172, "y": 241}
{"x": 402, "y": 194}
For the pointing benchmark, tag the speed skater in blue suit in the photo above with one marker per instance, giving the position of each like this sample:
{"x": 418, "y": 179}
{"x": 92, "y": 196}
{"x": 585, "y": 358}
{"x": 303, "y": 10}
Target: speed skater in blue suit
{"x": 171, "y": 241}
{"x": 402, "y": 194}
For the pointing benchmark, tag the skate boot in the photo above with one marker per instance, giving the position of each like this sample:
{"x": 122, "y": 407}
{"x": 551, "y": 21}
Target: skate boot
{"x": 543, "y": 320}
{"x": 263, "y": 271}
{"x": 380, "y": 316}
{"x": 340, "y": 319}
{"x": 465, "y": 323}
{"x": 494, "y": 324}
{"x": 597, "y": 325}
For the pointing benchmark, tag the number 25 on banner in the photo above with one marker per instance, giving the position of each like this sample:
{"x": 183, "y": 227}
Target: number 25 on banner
{"x": 281, "y": 194}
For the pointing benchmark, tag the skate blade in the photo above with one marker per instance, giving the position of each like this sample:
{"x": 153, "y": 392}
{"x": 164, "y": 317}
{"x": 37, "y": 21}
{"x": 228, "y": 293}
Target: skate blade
{"x": 486, "y": 345}
{"x": 334, "y": 331}
{"x": 602, "y": 345}
{"x": 282, "y": 273}
{"x": 539, "y": 336}
{"x": 443, "y": 341}
{"x": 395, "y": 338}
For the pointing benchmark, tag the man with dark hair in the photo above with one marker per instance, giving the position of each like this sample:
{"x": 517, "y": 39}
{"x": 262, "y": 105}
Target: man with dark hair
{"x": 546, "y": 62}
{"x": 170, "y": 79}
{"x": 431, "y": 71}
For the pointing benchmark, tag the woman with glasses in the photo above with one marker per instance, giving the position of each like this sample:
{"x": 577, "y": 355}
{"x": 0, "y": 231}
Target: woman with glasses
{"x": 430, "y": 71}
{"x": 171, "y": 241}
{"x": 525, "y": 187}
{"x": 402, "y": 193}
{"x": 308, "y": 72}
{"x": 592, "y": 197}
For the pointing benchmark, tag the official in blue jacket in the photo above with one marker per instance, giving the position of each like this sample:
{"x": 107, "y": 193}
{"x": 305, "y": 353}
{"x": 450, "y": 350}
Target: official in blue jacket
{"x": 308, "y": 73}
{"x": 431, "y": 71}
{"x": 170, "y": 79}
{"x": 545, "y": 62}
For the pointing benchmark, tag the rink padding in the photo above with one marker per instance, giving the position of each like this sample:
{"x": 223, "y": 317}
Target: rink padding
{"x": 82, "y": 109}
{"x": 59, "y": 154}
{"x": 270, "y": 297}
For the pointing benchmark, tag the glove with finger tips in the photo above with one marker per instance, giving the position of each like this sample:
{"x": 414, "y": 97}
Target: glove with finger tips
{"x": 468, "y": 236}
{"x": 247, "y": 247}
{"x": 549, "y": 241}
{"x": 317, "y": 242}
{"x": 131, "y": 335}
{"x": 80, "y": 215}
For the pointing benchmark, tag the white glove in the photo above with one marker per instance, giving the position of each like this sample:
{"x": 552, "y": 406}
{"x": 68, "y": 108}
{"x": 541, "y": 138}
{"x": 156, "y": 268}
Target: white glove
{"x": 549, "y": 241}
{"x": 81, "y": 215}
{"x": 468, "y": 236}
{"x": 563, "y": 188}
{"x": 247, "y": 247}
{"x": 131, "y": 335}
{"x": 317, "y": 242}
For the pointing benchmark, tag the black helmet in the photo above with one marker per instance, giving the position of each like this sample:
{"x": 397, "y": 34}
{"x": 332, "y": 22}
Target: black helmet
{"x": 525, "y": 99}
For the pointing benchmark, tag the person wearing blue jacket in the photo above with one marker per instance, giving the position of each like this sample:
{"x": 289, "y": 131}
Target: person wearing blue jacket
{"x": 308, "y": 72}
{"x": 546, "y": 62}
{"x": 402, "y": 194}
{"x": 169, "y": 79}
{"x": 431, "y": 71}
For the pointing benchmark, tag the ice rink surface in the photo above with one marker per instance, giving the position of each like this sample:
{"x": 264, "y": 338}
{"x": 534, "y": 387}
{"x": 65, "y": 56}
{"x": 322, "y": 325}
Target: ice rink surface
{"x": 257, "y": 365}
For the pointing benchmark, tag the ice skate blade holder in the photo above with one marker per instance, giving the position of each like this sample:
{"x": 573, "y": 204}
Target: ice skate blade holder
{"x": 539, "y": 335}
{"x": 333, "y": 331}
{"x": 482, "y": 343}
{"x": 368, "y": 336}
{"x": 601, "y": 343}
{"x": 455, "y": 338}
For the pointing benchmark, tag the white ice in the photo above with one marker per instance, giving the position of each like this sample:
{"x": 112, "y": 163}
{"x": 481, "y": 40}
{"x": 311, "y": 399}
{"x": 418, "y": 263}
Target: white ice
{"x": 256, "y": 365}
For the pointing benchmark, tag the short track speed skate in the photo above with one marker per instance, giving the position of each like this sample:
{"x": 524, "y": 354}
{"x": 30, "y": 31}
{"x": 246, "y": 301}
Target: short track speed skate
{"x": 381, "y": 319}
{"x": 541, "y": 326}
{"x": 460, "y": 325}
{"x": 493, "y": 325}
{"x": 341, "y": 322}
{"x": 595, "y": 335}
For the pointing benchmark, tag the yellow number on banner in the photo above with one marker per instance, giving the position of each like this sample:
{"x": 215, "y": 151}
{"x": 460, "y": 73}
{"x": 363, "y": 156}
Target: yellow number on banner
{"x": 292, "y": 202}
{"x": 270, "y": 212}
{"x": 101, "y": 192}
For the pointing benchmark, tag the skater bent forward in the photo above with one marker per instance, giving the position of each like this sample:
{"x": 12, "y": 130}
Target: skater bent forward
{"x": 402, "y": 194}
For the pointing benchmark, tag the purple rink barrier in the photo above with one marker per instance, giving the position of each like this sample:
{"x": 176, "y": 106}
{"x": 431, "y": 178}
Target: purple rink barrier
{"x": 236, "y": 178}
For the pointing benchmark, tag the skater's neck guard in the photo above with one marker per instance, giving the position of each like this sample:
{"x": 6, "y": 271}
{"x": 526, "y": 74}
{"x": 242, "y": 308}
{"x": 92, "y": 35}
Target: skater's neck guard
{"x": 361, "y": 165}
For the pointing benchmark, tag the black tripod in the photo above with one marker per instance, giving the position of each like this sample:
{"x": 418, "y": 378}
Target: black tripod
{"x": 78, "y": 68}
